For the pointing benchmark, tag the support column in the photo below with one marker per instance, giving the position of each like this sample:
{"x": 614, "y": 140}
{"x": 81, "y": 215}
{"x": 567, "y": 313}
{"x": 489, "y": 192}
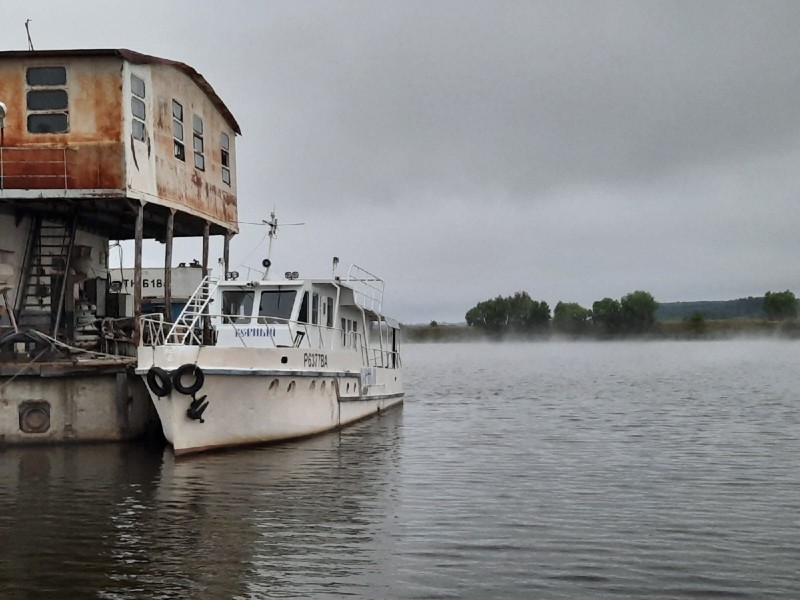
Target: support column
{"x": 226, "y": 253}
{"x": 206, "y": 323}
{"x": 168, "y": 266}
{"x": 137, "y": 275}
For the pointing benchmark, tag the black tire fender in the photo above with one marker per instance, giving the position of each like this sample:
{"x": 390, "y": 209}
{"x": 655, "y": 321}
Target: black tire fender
{"x": 159, "y": 382}
{"x": 183, "y": 370}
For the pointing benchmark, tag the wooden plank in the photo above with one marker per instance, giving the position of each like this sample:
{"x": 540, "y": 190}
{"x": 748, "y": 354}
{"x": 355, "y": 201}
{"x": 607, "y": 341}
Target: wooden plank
{"x": 168, "y": 266}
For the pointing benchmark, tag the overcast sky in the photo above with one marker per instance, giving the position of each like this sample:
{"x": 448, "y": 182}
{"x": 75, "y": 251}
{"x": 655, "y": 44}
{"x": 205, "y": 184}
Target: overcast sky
{"x": 461, "y": 150}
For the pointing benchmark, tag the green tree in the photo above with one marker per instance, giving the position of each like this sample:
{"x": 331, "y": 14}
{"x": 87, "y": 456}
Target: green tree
{"x": 607, "y": 315}
{"x": 571, "y": 317}
{"x": 697, "y": 322}
{"x": 780, "y": 306}
{"x": 527, "y": 314}
{"x": 489, "y": 315}
{"x": 638, "y": 310}
{"x": 518, "y": 313}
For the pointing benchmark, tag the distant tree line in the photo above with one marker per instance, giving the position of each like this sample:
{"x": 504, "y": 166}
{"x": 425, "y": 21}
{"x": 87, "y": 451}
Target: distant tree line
{"x": 521, "y": 314}
{"x": 635, "y": 313}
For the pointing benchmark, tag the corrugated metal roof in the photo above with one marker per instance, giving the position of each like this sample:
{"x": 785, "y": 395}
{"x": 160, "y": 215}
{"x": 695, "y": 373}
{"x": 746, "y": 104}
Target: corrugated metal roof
{"x": 138, "y": 59}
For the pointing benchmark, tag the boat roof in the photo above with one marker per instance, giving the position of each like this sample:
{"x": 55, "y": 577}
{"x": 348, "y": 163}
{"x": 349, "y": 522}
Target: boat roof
{"x": 244, "y": 284}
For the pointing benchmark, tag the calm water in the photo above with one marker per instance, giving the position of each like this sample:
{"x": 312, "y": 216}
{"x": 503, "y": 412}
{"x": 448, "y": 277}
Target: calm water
{"x": 551, "y": 470}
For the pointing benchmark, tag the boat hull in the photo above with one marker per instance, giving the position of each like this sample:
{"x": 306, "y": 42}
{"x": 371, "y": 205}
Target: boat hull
{"x": 262, "y": 404}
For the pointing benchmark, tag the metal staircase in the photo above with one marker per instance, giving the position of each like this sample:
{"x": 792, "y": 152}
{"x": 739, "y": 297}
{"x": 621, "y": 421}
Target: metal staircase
{"x": 186, "y": 325}
{"x": 43, "y": 285}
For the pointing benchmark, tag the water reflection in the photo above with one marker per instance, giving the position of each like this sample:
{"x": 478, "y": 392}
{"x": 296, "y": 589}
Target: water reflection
{"x": 130, "y": 521}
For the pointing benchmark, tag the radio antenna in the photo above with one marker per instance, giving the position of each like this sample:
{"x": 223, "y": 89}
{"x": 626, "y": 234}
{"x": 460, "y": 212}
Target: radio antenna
{"x": 28, "y": 31}
{"x": 273, "y": 232}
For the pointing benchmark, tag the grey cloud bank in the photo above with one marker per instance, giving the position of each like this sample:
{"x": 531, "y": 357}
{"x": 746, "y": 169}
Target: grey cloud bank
{"x": 467, "y": 149}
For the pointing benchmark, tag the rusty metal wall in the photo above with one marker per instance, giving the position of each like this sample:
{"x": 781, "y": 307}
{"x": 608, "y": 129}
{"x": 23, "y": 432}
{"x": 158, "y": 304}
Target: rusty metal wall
{"x": 90, "y": 155}
{"x": 100, "y": 156}
{"x": 201, "y": 192}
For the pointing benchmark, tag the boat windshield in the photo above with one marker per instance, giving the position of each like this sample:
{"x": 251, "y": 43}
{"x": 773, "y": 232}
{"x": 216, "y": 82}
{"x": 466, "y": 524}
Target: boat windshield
{"x": 277, "y": 304}
{"x": 237, "y": 306}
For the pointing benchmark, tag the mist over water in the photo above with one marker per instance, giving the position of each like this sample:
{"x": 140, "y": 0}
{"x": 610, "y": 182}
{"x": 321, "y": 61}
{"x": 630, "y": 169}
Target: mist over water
{"x": 543, "y": 470}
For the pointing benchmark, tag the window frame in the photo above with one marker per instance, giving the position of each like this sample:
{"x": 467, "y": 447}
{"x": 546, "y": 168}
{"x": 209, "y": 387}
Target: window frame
{"x": 197, "y": 141}
{"x": 138, "y": 99}
{"x": 38, "y": 88}
{"x": 178, "y": 144}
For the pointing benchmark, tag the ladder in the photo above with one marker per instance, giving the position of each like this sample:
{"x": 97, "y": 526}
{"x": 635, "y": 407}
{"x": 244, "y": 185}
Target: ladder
{"x": 186, "y": 324}
{"x": 43, "y": 285}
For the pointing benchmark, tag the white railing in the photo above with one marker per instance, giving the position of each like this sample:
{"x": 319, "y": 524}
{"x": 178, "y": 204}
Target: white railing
{"x": 17, "y": 168}
{"x": 367, "y": 288}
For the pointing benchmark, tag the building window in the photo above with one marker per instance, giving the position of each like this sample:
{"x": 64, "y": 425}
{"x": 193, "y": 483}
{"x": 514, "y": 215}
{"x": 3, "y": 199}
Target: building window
{"x": 225, "y": 157}
{"x": 197, "y": 143}
{"x": 47, "y": 100}
{"x": 138, "y": 108}
{"x": 177, "y": 130}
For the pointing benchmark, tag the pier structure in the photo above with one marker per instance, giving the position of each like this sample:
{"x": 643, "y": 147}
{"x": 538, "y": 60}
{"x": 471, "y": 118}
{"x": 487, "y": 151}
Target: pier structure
{"x": 96, "y": 146}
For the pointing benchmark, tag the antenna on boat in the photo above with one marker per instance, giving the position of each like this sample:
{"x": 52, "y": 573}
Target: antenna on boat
{"x": 273, "y": 233}
{"x": 28, "y": 31}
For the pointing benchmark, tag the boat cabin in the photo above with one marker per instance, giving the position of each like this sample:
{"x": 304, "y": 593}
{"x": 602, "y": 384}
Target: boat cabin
{"x": 321, "y": 314}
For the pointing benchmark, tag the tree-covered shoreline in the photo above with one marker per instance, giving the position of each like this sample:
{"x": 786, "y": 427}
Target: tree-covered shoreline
{"x": 634, "y": 316}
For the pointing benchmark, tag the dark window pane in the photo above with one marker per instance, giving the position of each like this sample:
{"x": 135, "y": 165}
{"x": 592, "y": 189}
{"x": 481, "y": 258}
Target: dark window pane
{"x": 303, "y": 316}
{"x": 226, "y": 175}
{"x": 199, "y": 161}
{"x": 46, "y": 76}
{"x": 177, "y": 130}
{"x": 237, "y": 306}
{"x": 47, "y": 100}
{"x": 330, "y": 312}
{"x": 177, "y": 110}
{"x": 314, "y": 309}
{"x": 226, "y": 159}
{"x": 137, "y": 106}
{"x": 138, "y": 130}
{"x": 277, "y": 304}
{"x": 197, "y": 123}
{"x": 48, "y": 123}
{"x": 224, "y": 142}
{"x": 198, "y": 144}
{"x": 137, "y": 86}
{"x": 179, "y": 151}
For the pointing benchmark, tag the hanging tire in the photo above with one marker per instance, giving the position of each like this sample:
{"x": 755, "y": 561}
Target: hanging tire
{"x": 183, "y": 370}
{"x": 159, "y": 382}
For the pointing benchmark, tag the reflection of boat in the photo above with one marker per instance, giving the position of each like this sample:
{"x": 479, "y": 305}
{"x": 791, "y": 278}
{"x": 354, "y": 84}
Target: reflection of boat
{"x": 281, "y": 359}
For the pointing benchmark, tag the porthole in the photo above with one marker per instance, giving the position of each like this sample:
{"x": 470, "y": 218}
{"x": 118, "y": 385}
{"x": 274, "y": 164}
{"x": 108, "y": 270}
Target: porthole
{"x": 273, "y": 384}
{"x": 313, "y": 384}
{"x": 291, "y": 386}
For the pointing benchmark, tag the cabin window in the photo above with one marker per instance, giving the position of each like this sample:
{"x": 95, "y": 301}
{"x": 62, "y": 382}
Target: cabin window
{"x": 330, "y": 312}
{"x": 138, "y": 108}
{"x": 47, "y": 100}
{"x": 197, "y": 143}
{"x": 303, "y": 316}
{"x": 314, "y": 309}
{"x": 277, "y": 304}
{"x": 237, "y": 306}
{"x": 177, "y": 131}
{"x": 225, "y": 157}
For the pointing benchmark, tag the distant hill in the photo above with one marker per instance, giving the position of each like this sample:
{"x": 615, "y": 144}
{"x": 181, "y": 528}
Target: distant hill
{"x": 712, "y": 309}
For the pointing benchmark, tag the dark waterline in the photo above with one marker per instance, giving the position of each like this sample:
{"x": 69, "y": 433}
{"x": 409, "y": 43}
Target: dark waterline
{"x": 552, "y": 470}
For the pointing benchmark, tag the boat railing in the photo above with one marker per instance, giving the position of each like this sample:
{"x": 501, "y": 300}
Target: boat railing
{"x": 367, "y": 288}
{"x": 154, "y": 329}
{"x": 384, "y": 359}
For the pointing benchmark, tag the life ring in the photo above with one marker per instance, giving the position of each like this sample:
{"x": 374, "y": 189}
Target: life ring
{"x": 199, "y": 378}
{"x": 159, "y": 382}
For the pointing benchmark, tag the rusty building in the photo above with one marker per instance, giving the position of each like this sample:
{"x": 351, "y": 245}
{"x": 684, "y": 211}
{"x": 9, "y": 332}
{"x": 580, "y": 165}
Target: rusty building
{"x": 96, "y": 145}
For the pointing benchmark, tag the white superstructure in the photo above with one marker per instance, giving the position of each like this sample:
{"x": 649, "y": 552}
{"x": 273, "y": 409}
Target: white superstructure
{"x": 259, "y": 361}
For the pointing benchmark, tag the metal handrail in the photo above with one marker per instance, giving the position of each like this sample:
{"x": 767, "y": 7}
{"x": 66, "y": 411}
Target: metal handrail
{"x": 60, "y": 170}
{"x": 154, "y": 333}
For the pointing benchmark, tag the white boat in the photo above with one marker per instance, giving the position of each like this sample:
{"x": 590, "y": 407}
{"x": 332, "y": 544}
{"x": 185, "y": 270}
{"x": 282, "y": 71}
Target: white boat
{"x": 249, "y": 362}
